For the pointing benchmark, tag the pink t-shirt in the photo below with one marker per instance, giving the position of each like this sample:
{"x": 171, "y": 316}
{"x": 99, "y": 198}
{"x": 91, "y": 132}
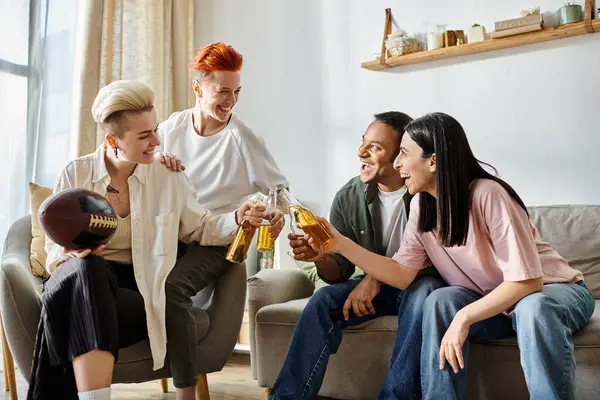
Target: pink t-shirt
{"x": 502, "y": 245}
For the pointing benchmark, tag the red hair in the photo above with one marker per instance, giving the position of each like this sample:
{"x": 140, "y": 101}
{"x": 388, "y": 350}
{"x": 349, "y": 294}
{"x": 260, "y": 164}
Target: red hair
{"x": 216, "y": 57}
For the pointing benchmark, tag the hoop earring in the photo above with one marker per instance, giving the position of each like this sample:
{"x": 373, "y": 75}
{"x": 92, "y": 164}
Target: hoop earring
{"x": 116, "y": 152}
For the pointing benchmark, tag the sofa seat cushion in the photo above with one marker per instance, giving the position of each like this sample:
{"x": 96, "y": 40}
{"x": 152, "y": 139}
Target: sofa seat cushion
{"x": 288, "y": 313}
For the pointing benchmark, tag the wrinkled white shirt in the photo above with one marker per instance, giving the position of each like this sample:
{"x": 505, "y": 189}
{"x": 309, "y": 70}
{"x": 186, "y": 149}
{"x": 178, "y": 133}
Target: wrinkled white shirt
{"x": 163, "y": 210}
{"x": 226, "y": 167}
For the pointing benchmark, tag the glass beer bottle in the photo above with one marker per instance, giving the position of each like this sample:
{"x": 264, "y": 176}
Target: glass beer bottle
{"x": 265, "y": 242}
{"x": 310, "y": 252}
{"x": 238, "y": 249}
{"x": 304, "y": 219}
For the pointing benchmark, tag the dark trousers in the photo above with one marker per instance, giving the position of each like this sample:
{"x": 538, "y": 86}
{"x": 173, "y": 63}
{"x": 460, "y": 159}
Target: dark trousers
{"x": 87, "y": 304}
{"x": 197, "y": 267}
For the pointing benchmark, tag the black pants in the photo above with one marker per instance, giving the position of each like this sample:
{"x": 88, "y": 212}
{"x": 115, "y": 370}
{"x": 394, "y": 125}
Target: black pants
{"x": 87, "y": 304}
{"x": 197, "y": 267}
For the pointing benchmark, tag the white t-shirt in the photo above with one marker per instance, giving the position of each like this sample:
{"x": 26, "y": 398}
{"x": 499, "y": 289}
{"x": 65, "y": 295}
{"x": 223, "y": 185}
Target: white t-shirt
{"x": 393, "y": 219}
{"x": 226, "y": 167}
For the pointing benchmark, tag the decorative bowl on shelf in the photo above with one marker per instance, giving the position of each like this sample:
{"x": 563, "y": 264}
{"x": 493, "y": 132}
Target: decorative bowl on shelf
{"x": 404, "y": 49}
{"x": 569, "y": 14}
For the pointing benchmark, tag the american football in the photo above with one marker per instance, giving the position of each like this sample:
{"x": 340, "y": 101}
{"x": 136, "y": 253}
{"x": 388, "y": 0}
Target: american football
{"x": 78, "y": 219}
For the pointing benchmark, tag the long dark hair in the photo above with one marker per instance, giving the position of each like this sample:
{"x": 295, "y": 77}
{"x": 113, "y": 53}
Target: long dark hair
{"x": 456, "y": 168}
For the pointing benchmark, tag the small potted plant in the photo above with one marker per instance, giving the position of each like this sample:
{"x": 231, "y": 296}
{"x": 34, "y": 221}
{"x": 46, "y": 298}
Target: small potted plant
{"x": 476, "y": 33}
{"x": 569, "y": 14}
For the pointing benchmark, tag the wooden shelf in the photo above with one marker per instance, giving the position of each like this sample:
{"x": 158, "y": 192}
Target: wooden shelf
{"x": 484, "y": 46}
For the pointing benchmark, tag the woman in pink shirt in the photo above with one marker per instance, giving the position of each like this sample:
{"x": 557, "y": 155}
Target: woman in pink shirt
{"x": 503, "y": 278}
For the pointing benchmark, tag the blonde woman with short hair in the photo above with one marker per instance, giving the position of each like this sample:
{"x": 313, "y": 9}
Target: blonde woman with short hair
{"x": 99, "y": 300}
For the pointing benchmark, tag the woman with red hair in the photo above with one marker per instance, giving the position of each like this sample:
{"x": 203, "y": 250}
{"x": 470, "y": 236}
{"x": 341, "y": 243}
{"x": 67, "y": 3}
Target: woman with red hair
{"x": 226, "y": 161}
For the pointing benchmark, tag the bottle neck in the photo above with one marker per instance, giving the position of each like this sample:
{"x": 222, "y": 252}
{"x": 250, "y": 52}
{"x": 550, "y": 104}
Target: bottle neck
{"x": 289, "y": 200}
{"x": 272, "y": 201}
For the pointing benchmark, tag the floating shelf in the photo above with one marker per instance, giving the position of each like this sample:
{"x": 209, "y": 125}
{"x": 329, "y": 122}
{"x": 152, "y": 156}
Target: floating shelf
{"x": 484, "y": 46}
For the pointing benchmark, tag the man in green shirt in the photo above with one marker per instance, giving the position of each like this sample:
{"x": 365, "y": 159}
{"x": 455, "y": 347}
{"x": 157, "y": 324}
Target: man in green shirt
{"x": 372, "y": 210}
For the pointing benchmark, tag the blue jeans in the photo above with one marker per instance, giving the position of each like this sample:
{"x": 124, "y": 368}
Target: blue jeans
{"x": 316, "y": 337}
{"x": 544, "y": 323}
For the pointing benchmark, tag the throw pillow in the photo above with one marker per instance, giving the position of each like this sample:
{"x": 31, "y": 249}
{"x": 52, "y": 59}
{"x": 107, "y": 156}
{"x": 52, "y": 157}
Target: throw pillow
{"x": 37, "y": 256}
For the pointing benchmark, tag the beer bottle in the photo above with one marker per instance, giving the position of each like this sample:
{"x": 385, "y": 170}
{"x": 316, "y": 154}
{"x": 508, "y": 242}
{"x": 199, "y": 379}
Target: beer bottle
{"x": 304, "y": 219}
{"x": 238, "y": 249}
{"x": 265, "y": 242}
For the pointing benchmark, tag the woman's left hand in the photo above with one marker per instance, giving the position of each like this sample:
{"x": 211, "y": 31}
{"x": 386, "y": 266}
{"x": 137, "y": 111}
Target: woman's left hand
{"x": 452, "y": 343}
{"x": 250, "y": 212}
{"x": 277, "y": 220}
{"x": 334, "y": 245}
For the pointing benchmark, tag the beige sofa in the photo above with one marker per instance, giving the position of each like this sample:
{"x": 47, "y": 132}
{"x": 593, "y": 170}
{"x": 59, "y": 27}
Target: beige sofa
{"x": 277, "y": 298}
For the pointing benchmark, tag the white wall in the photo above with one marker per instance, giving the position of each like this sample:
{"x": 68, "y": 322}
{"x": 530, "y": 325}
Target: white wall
{"x": 533, "y": 112}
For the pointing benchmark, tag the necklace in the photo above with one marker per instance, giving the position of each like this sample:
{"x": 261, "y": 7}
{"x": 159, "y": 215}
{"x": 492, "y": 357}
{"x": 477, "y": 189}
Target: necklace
{"x": 115, "y": 193}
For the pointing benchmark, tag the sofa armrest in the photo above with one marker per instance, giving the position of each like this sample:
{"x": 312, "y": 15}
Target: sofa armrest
{"x": 19, "y": 302}
{"x": 273, "y": 286}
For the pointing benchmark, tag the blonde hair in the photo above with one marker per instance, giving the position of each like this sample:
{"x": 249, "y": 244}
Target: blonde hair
{"x": 118, "y": 97}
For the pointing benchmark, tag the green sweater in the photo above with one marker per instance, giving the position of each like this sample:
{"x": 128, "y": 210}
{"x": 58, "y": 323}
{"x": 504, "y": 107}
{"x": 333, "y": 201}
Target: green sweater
{"x": 355, "y": 214}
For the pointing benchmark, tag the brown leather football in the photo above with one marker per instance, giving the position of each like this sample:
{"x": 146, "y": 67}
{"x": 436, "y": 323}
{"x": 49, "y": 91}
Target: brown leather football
{"x": 78, "y": 219}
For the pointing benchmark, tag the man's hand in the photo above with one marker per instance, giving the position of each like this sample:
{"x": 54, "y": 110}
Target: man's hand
{"x": 361, "y": 298}
{"x": 84, "y": 253}
{"x": 301, "y": 249}
{"x": 171, "y": 162}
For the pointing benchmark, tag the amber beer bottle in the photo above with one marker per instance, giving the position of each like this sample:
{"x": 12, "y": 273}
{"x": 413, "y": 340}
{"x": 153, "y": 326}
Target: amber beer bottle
{"x": 238, "y": 249}
{"x": 304, "y": 219}
{"x": 265, "y": 242}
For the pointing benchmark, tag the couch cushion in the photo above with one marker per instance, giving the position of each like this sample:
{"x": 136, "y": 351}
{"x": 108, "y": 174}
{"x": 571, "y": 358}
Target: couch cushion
{"x": 574, "y": 232}
{"x": 288, "y": 313}
{"x": 37, "y": 258}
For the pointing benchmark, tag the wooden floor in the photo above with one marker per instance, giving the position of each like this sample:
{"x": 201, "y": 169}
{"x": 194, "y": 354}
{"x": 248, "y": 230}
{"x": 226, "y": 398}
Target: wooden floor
{"x": 233, "y": 382}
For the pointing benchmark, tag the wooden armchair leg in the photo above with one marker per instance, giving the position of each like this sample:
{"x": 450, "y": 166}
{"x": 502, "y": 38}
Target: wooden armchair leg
{"x": 164, "y": 385}
{"x": 6, "y": 382}
{"x": 202, "y": 388}
{"x": 10, "y": 381}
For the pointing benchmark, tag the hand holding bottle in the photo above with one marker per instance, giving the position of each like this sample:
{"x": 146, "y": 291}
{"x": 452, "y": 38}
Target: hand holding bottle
{"x": 276, "y": 218}
{"x": 248, "y": 217}
{"x": 250, "y": 211}
{"x": 331, "y": 246}
{"x": 302, "y": 251}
